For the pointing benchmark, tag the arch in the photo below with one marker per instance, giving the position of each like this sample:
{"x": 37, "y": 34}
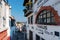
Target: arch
{"x": 50, "y": 9}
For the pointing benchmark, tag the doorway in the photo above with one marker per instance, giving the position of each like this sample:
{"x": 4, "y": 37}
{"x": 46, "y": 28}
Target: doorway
{"x": 30, "y": 35}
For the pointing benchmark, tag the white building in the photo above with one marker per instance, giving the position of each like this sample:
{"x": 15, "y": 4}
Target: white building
{"x": 4, "y": 16}
{"x": 43, "y": 19}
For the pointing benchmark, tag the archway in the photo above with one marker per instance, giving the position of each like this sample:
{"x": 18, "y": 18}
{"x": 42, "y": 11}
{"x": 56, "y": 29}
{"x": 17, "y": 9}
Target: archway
{"x": 53, "y": 15}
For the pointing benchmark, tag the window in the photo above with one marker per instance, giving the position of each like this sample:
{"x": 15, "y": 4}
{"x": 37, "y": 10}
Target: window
{"x": 56, "y": 33}
{"x": 45, "y": 17}
{"x": 4, "y": 18}
{"x": 42, "y": 39}
{"x": 30, "y": 20}
{"x": 37, "y": 37}
{"x": 30, "y": 35}
{"x": 4, "y": 21}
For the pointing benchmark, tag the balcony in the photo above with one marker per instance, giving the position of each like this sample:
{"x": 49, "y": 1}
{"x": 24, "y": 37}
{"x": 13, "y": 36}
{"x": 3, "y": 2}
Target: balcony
{"x": 27, "y": 12}
{"x": 25, "y": 1}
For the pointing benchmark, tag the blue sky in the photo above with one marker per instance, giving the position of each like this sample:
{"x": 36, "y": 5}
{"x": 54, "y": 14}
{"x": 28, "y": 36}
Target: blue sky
{"x": 17, "y": 9}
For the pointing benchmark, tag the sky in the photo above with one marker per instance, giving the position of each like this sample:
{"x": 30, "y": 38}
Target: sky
{"x": 17, "y": 10}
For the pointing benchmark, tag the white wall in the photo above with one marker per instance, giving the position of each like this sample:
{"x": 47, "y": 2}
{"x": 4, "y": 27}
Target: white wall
{"x": 55, "y": 4}
{"x": 46, "y": 36}
{"x": 50, "y": 28}
{"x": 7, "y": 19}
{"x": 5, "y": 12}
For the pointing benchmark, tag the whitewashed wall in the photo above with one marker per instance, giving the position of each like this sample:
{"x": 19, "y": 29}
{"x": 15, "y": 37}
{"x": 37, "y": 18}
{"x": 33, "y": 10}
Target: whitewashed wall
{"x": 54, "y": 3}
{"x": 50, "y": 28}
{"x": 5, "y": 12}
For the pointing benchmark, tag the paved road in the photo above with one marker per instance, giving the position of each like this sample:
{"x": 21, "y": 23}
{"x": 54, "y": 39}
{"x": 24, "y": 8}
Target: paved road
{"x": 16, "y": 35}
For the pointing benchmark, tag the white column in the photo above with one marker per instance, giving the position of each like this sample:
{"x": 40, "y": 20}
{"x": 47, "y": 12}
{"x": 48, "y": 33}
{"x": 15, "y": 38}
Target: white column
{"x": 34, "y": 36}
{"x": 28, "y": 33}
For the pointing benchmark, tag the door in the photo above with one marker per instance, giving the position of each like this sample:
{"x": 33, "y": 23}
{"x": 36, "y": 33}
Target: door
{"x": 37, "y": 37}
{"x": 30, "y": 35}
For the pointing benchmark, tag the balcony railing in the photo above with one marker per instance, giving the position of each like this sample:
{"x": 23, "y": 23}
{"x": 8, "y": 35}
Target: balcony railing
{"x": 27, "y": 12}
{"x": 29, "y": 3}
{"x": 28, "y": 9}
{"x": 25, "y": 1}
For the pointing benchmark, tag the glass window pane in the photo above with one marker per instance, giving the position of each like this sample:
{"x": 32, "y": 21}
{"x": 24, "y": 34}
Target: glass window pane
{"x": 28, "y": 20}
{"x": 45, "y": 20}
{"x": 48, "y": 11}
{"x": 57, "y": 33}
{"x": 52, "y": 19}
{"x": 38, "y": 20}
{"x": 41, "y": 13}
{"x": 52, "y": 14}
{"x": 48, "y": 14}
{"x": 42, "y": 39}
{"x": 48, "y": 20}
{"x": 41, "y": 16}
{"x": 31, "y": 19}
{"x": 44, "y": 16}
{"x": 44, "y": 11}
{"x": 41, "y": 20}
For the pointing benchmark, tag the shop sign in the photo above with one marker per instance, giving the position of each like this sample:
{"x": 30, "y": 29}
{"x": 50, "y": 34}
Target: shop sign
{"x": 49, "y": 33}
{"x": 39, "y": 31}
{"x": 46, "y": 32}
{"x": 43, "y": 30}
{"x": 43, "y": 27}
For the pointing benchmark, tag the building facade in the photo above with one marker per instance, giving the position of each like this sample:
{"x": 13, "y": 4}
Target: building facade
{"x": 21, "y": 26}
{"x": 43, "y": 19}
{"x": 4, "y": 19}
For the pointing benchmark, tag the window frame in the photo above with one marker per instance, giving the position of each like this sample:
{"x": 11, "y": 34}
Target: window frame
{"x": 46, "y": 17}
{"x": 30, "y": 20}
{"x": 42, "y": 39}
{"x": 57, "y": 33}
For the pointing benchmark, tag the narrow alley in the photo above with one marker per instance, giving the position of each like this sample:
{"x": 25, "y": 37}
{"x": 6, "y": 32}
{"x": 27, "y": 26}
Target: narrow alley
{"x": 17, "y": 35}
{"x": 29, "y": 19}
